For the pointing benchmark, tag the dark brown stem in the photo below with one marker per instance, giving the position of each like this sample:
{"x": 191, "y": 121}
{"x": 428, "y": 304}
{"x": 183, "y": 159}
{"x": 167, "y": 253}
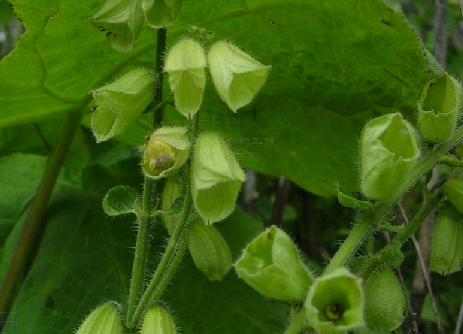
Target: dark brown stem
{"x": 34, "y": 222}
{"x": 280, "y": 201}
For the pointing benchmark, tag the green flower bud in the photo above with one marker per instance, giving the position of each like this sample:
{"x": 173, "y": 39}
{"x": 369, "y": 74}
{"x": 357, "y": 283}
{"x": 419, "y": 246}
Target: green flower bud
{"x": 335, "y": 303}
{"x": 271, "y": 264}
{"x": 121, "y": 103}
{"x": 236, "y": 75}
{"x": 122, "y": 21}
{"x": 216, "y": 178}
{"x": 161, "y": 13}
{"x": 438, "y": 108}
{"x": 172, "y": 190}
{"x": 166, "y": 152}
{"x": 453, "y": 189}
{"x": 103, "y": 320}
{"x": 388, "y": 150}
{"x": 158, "y": 321}
{"x": 209, "y": 250}
{"x": 385, "y": 304}
{"x": 447, "y": 245}
{"x": 186, "y": 63}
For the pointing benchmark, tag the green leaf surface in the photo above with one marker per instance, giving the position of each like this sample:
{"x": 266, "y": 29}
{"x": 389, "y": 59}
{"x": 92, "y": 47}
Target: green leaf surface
{"x": 334, "y": 65}
{"x": 84, "y": 259}
{"x": 120, "y": 200}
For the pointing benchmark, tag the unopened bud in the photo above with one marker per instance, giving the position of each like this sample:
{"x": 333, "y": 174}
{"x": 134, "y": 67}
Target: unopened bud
{"x": 209, "y": 250}
{"x": 172, "y": 190}
{"x": 158, "y": 321}
{"x": 103, "y": 320}
{"x": 447, "y": 244}
{"x": 385, "y": 304}
{"x": 453, "y": 189}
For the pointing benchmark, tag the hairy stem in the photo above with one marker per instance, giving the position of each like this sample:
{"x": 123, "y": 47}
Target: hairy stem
{"x": 169, "y": 260}
{"x": 297, "y": 322}
{"x": 34, "y": 222}
{"x": 141, "y": 250}
{"x": 358, "y": 234}
{"x": 141, "y": 247}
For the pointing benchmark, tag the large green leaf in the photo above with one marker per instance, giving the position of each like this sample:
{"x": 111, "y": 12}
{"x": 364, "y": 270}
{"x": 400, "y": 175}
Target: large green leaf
{"x": 335, "y": 64}
{"x": 84, "y": 259}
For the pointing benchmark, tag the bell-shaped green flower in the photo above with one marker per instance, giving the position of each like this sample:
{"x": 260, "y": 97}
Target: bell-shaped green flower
{"x": 335, "y": 303}
{"x": 271, "y": 264}
{"x": 236, "y": 75}
{"x": 186, "y": 63}
{"x": 172, "y": 190}
{"x": 439, "y": 108}
{"x": 389, "y": 148}
{"x": 103, "y": 320}
{"x": 158, "y": 321}
{"x": 209, "y": 250}
{"x": 385, "y": 303}
{"x": 121, "y": 103}
{"x": 216, "y": 178}
{"x": 161, "y": 13}
{"x": 122, "y": 21}
{"x": 166, "y": 152}
{"x": 447, "y": 244}
{"x": 453, "y": 189}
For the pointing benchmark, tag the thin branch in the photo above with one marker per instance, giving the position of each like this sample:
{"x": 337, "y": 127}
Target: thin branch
{"x": 440, "y": 37}
{"x": 34, "y": 222}
{"x": 424, "y": 272}
{"x": 460, "y": 315}
{"x": 280, "y": 201}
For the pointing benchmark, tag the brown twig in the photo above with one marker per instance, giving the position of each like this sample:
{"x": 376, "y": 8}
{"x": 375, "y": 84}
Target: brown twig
{"x": 280, "y": 201}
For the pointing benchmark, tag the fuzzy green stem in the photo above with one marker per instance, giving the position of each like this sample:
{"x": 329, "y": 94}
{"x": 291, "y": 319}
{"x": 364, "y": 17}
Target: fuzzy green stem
{"x": 169, "y": 260}
{"x": 141, "y": 249}
{"x": 297, "y": 322}
{"x": 160, "y": 50}
{"x": 34, "y": 223}
{"x": 358, "y": 234}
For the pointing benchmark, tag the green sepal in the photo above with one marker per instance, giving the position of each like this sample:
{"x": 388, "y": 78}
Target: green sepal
{"x": 439, "y": 108}
{"x": 209, "y": 250}
{"x": 385, "y": 303}
{"x": 447, "y": 245}
{"x": 236, "y": 75}
{"x": 121, "y": 103}
{"x": 122, "y": 21}
{"x": 166, "y": 152}
{"x": 392, "y": 254}
{"x": 121, "y": 200}
{"x": 335, "y": 303}
{"x": 216, "y": 178}
{"x": 158, "y": 320}
{"x": 272, "y": 265}
{"x": 161, "y": 13}
{"x": 389, "y": 148}
{"x": 104, "y": 319}
{"x": 185, "y": 64}
{"x": 348, "y": 201}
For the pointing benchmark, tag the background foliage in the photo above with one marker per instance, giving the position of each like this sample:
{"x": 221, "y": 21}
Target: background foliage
{"x": 335, "y": 64}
